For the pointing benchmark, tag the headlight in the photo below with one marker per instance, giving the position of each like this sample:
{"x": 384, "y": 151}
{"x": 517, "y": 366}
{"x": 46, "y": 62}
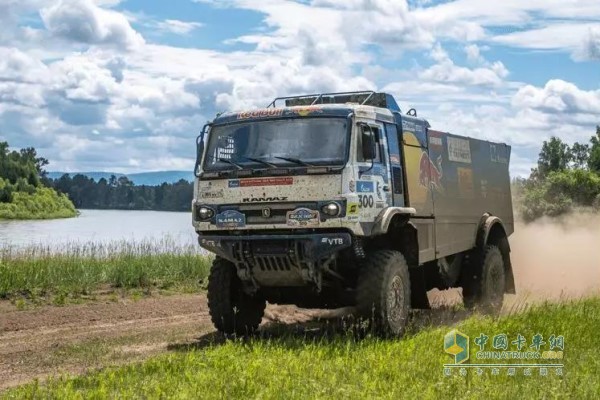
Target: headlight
{"x": 204, "y": 213}
{"x": 331, "y": 209}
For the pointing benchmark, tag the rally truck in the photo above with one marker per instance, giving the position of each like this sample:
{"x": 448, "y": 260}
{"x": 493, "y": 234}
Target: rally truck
{"x": 341, "y": 200}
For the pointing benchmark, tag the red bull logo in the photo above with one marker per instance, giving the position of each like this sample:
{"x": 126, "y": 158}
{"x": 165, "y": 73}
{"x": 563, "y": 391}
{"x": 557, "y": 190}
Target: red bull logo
{"x": 430, "y": 174}
{"x": 307, "y": 110}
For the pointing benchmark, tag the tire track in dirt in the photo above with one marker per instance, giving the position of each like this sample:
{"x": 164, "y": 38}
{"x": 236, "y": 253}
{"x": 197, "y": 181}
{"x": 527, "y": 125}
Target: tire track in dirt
{"x": 48, "y": 340}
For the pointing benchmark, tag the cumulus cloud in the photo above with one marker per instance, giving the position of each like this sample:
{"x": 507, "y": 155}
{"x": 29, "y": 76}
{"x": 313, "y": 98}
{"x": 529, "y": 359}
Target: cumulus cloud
{"x": 82, "y": 21}
{"x": 446, "y": 71}
{"x": 558, "y": 96}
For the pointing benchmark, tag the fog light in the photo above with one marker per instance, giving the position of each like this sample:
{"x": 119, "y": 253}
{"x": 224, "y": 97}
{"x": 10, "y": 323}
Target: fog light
{"x": 205, "y": 213}
{"x": 331, "y": 209}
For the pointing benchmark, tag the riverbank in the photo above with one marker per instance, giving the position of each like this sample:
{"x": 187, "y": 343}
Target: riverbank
{"x": 40, "y": 273}
{"x": 42, "y": 203}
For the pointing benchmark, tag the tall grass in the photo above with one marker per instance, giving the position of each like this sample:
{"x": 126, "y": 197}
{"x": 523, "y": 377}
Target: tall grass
{"x": 294, "y": 367}
{"x": 82, "y": 268}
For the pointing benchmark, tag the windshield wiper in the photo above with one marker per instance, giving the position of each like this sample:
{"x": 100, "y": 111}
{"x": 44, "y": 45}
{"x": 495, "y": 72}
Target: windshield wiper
{"x": 258, "y": 160}
{"x": 295, "y": 161}
{"x": 224, "y": 160}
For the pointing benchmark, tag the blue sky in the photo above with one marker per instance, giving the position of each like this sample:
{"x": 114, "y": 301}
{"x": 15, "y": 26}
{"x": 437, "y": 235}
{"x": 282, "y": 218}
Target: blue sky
{"x": 125, "y": 86}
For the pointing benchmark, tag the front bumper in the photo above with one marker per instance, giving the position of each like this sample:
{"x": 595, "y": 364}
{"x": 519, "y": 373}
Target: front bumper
{"x": 276, "y": 250}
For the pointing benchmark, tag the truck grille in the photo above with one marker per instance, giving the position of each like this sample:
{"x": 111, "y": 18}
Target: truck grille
{"x": 277, "y": 211}
{"x": 273, "y": 263}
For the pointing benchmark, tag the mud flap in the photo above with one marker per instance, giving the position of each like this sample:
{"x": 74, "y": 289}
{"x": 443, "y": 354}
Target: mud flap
{"x": 508, "y": 270}
{"x": 418, "y": 289}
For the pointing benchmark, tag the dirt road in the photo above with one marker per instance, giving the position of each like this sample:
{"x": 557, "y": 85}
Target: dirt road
{"x": 53, "y": 340}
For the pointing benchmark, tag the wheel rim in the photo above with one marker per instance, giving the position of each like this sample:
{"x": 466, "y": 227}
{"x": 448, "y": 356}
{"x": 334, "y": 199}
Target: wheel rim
{"x": 395, "y": 301}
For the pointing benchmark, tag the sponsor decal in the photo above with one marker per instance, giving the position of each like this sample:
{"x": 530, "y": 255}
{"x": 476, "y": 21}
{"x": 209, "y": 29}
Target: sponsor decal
{"x": 435, "y": 141}
{"x": 353, "y": 208}
{"x": 430, "y": 174}
{"x": 395, "y": 158}
{"x": 380, "y": 204}
{"x": 496, "y": 155}
{"x": 217, "y": 194}
{"x": 277, "y": 181}
{"x": 333, "y": 241}
{"x": 308, "y": 110}
{"x": 230, "y": 219}
{"x": 302, "y": 217}
{"x": 264, "y": 113}
{"x": 379, "y": 193}
{"x": 409, "y": 126}
{"x": 365, "y": 187}
{"x": 484, "y": 188}
{"x": 263, "y": 199}
{"x": 210, "y": 243}
{"x": 465, "y": 182}
{"x": 459, "y": 150}
{"x": 234, "y": 183}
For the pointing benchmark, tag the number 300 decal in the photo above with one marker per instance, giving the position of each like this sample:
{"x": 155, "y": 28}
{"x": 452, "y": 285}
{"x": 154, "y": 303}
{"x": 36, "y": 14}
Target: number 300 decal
{"x": 366, "y": 201}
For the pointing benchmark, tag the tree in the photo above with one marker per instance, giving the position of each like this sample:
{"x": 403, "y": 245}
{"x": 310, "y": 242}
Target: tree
{"x": 580, "y": 154}
{"x": 554, "y": 156}
{"x": 594, "y": 155}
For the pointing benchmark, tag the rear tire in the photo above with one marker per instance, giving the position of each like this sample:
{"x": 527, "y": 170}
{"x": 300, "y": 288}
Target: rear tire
{"x": 383, "y": 292}
{"x": 485, "y": 284}
{"x": 232, "y": 311}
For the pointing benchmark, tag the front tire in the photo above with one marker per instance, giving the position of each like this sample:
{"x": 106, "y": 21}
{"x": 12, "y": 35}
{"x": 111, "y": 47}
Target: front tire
{"x": 232, "y": 311}
{"x": 486, "y": 282}
{"x": 383, "y": 292}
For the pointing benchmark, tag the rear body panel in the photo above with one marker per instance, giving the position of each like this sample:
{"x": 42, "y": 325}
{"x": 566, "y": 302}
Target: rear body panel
{"x": 452, "y": 181}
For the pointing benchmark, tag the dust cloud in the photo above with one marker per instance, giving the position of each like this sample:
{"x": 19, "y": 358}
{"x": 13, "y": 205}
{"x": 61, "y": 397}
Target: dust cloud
{"x": 557, "y": 258}
{"x": 553, "y": 259}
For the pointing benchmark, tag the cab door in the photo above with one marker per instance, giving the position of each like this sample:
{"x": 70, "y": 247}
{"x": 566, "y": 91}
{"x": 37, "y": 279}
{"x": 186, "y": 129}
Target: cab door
{"x": 396, "y": 171}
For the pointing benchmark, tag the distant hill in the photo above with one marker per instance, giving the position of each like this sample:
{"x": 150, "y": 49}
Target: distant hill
{"x": 143, "y": 178}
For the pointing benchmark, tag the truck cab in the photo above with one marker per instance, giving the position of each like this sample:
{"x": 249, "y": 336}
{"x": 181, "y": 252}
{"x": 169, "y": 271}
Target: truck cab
{"x": 328, "y": 200}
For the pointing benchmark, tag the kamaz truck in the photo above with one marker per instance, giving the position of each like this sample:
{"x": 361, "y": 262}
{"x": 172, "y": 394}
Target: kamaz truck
{"x": 341, "y": 200}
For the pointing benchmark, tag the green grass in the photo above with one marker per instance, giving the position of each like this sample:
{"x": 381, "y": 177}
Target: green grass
{"x": 83, "y": 268}
{"x": 341, "y": 366}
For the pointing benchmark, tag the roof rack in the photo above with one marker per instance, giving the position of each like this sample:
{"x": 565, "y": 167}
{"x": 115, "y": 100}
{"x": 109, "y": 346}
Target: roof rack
{"x": 367, "y": 97}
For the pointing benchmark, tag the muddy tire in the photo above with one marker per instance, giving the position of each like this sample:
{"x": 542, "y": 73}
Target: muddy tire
{"x": 383, "y": 293}
{"x": 232, "y": 311}
{"x": 485, "y": 284}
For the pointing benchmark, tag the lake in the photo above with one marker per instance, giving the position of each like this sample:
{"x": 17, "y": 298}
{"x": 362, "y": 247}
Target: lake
{"x": 100, "y": 226}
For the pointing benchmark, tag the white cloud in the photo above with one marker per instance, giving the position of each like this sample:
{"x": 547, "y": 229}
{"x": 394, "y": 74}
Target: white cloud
{"x": 558, "y": 96}
{"x": 81, "y": 21}
{"x": 177, "y": 26}
{"x": 446, "y": 71}
{"x": 590, "y": 48}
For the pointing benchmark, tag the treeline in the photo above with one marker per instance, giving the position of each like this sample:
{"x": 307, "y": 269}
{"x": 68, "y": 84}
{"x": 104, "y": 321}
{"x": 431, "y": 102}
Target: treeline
{"x": 23, "y": 190}
{"x": 566, "y": 177}
{"x": 122, "y": 194}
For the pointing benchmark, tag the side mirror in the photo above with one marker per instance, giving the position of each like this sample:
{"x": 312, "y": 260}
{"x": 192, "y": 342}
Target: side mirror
{"x": 368, "y": 143}
{"x": 200, "y": 149}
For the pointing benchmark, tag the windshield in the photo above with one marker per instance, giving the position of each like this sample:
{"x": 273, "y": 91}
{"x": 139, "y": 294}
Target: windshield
{"x": 286, "y": 142}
